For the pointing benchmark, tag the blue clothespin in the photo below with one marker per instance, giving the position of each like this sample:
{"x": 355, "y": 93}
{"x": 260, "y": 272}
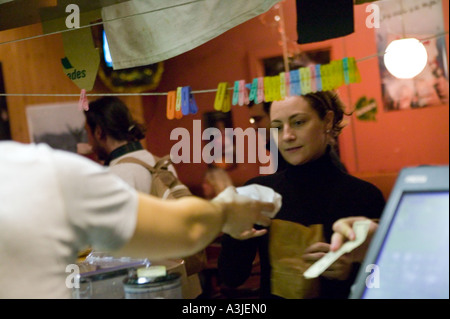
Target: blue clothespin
{"x": 235, "y": 93}
{"x": 254, "y": 90}
{"x": 193, "y": 109}
{"x": 188, "y": 104}
{"x": 346, "y": 70}
{"x": 185, "y": 95}
{"x": 295, "y": 82}
{"x": 319, "y": 86}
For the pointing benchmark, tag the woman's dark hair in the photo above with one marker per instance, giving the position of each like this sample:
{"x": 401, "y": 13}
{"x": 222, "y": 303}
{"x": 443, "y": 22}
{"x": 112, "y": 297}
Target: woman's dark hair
{"x": 114, "y": 118}
{"x": 324, "y": 101}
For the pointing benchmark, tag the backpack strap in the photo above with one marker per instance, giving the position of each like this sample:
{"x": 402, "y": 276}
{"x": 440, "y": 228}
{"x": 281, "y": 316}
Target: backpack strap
{"x": 139, "y": 162}
{"x": 162, "y": 162}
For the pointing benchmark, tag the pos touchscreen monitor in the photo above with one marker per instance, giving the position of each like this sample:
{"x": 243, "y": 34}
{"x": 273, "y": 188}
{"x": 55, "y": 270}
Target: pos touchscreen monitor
{"x": 408, "y": 257}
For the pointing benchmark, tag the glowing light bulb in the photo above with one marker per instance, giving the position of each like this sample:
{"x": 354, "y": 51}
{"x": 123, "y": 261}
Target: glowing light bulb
{"x": 405, "y": 58}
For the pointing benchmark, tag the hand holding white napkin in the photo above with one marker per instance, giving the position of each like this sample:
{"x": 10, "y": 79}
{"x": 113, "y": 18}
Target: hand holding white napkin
{"x": 253, "y": 191}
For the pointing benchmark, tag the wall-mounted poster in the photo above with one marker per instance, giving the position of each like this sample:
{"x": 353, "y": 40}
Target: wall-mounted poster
{"x": 421, "y": 19}
{"x": 60, "y": 125}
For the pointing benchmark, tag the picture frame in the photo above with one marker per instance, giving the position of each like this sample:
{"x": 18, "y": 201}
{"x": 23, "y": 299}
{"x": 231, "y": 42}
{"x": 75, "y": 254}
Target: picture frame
{"x": 60, "y": 125}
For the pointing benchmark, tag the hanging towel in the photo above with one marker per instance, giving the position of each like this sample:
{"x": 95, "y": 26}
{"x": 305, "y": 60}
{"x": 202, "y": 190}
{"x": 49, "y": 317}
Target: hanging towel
{"x": 169, "y": 28}
{"x": 319, "y": 20}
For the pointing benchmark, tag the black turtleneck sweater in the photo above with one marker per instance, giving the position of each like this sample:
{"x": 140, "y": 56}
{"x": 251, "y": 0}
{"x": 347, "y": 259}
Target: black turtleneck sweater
{"x": 318, "y": 192}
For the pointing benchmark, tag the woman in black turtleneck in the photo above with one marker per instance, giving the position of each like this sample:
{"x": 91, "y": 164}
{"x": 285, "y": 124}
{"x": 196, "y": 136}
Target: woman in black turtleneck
{"x": 315, "y": 191}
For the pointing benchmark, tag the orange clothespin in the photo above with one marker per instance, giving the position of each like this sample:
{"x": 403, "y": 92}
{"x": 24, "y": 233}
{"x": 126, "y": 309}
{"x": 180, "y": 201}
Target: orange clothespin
{"x": 170, "y": 110}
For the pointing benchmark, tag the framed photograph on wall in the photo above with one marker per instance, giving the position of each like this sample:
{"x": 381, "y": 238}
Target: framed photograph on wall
{"x": 219, "y": 121}
{"x": 423, "y": 20}
{"x": 60, "y": 125}
{"x": 5, "y": 130}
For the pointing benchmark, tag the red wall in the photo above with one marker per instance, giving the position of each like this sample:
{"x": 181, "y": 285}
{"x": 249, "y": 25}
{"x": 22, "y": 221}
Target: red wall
{"x": 397, "y": 139}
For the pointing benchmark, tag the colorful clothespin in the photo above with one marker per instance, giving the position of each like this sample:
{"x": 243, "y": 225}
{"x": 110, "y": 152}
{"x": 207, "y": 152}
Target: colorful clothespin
{"x": 83, "y": 103}
{"x": 243, "y": 94}
{"x": 170, "y": 108}
{"x": 276, "y": 88}
{"x": 318, "y": 78}
{"x": 184, "y": 100}
{"x": 295, "y": 88}
{"x": 193, "y": 108}
{"x": 307, "y": 86}
{"x": 253, "y": 96}
{"x": 267, "y": 89}
{"x": 325, "y": 79}
{"x": 226, "y": 107}
{"x": 222, "y": 90}
{"x": 312, "y": 78}
{"x": 329, "y": 76}
{"x": 282, "y": 84}
{"x": 260, "y": 93}
{"x": 354, "y": 75}
{"x": 235, "y": 99}
{"x": 337, "y": 73}
{"x": 287, "y": 77}
{"x": 178, "y": 112}
{"x": 346, "y": 70}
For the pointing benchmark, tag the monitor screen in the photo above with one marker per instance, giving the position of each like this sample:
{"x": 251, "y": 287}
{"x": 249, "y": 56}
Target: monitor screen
{"x": 413, "y": 259}
{"x": 106, "y": 53}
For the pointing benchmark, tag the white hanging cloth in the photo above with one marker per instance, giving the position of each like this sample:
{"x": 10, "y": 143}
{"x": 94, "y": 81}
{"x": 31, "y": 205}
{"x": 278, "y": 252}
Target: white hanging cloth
{"x": 140, "y": 39}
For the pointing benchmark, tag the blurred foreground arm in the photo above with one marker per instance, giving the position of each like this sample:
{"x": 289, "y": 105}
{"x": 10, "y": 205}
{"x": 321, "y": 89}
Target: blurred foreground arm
{"x": 174, "y": 228}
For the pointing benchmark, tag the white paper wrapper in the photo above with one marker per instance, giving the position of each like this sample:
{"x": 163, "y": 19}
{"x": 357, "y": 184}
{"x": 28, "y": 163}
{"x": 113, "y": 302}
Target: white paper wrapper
{"x": 253, "y": 191}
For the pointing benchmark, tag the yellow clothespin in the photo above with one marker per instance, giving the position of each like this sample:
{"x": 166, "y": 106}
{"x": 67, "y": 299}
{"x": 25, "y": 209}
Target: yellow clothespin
{"x": 276, "y": 88}
{"x": 305, "y": 80}
{"x": 226, "y": 101}
{"x": 267, "y": 89}
{"x": 355, "y": 76}
{"x": 222, "y": 90}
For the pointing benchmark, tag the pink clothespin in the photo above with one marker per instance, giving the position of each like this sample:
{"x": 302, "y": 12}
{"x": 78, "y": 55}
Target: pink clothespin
{"x": 83, "y": 103}
{"x": 312, "y": 69}
{"x": 260, "y": 93}
{"x": 287, "y": 77}
{"x": 243, "y": 94}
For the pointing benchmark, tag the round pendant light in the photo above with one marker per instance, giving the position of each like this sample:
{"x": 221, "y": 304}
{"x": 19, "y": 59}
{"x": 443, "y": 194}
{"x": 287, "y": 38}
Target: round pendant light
{"x": 405, "y": 58}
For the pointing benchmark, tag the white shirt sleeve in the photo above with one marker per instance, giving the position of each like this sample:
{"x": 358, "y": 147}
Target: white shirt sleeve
{"x": 101, "y": 207}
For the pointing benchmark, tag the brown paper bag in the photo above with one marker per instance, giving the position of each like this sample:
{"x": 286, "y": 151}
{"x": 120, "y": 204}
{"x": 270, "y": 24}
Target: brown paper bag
{"x": 287, "y": 242}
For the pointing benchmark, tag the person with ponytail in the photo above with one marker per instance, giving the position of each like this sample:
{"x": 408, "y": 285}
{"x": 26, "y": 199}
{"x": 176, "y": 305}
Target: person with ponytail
{"x": 115, "y": 135}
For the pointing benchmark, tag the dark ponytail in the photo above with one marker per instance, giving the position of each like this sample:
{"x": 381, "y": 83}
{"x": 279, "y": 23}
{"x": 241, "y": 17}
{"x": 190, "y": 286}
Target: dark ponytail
{"x": 114, "y": 118}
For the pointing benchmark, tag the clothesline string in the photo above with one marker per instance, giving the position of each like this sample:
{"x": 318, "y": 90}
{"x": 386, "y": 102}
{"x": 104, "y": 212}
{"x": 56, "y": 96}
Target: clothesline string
{"x": 98, "y": 23}
{"x": 165, "y": 93}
